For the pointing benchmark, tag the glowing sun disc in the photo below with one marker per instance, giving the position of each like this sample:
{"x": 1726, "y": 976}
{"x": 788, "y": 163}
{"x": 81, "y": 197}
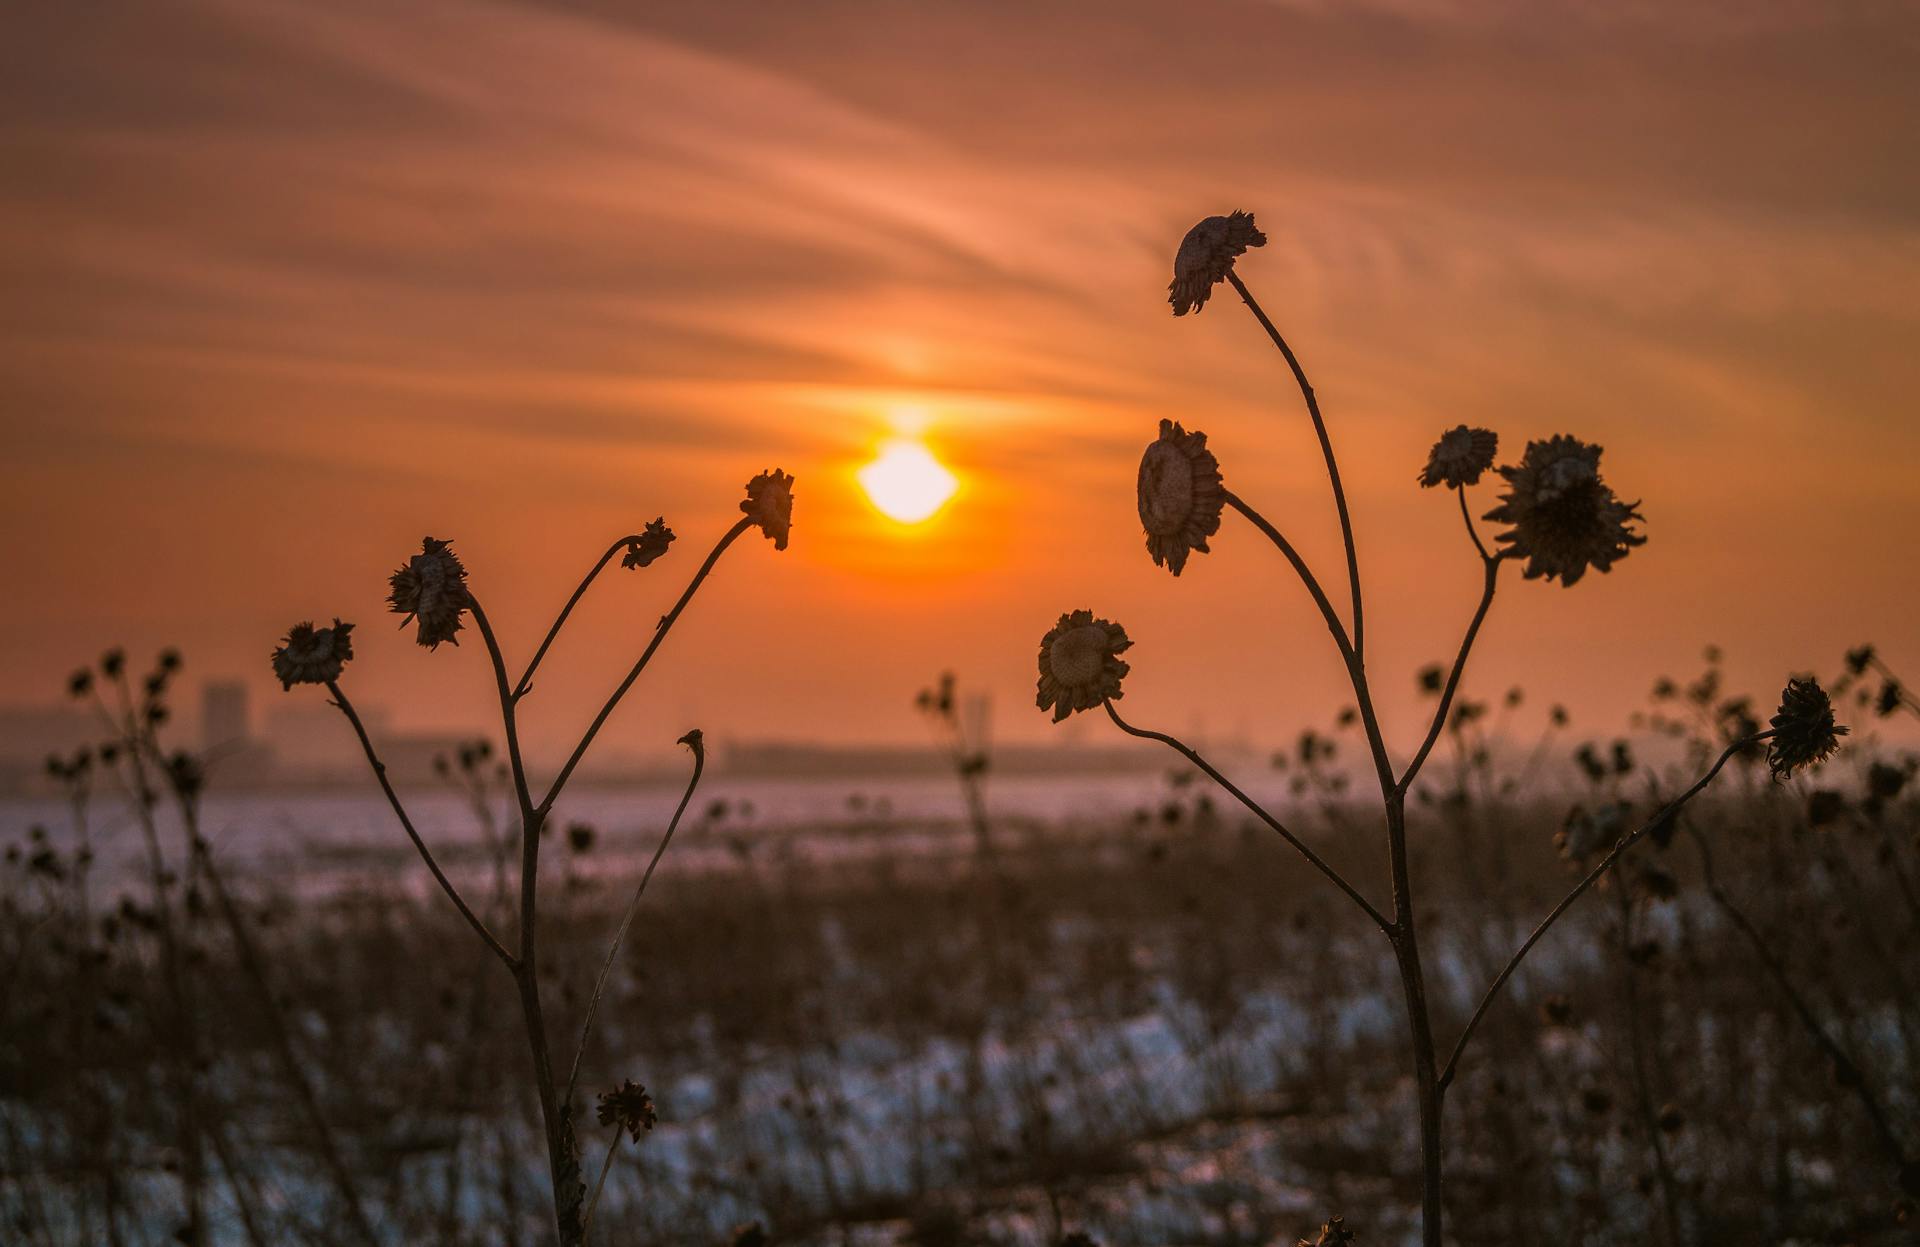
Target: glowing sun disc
{"x": 906, "y": 482}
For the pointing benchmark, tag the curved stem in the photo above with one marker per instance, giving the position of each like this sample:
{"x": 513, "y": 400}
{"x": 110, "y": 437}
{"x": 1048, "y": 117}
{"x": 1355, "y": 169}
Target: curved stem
{"x": 508, "y": 717}
{"x": 1625, "y": 842}
{"x": 593, "y": 1201}
{"x": 1334, "y": 623}
{"x": 426, "y": 854}
{"x": 1467, "y": 517}
{"x": 1356, "y": 673}
{"x": 659, "y": 634}
{"x": 525, "y": 684}
{"x": 1491, "y": 565}
{"x": 693, "y": 741}
{"x": 1258, "y": 811}
{"x": 1326, "y": 448}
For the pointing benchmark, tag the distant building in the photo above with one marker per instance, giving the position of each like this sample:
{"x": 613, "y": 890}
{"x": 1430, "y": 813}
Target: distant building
{"x": 225, "y": 719}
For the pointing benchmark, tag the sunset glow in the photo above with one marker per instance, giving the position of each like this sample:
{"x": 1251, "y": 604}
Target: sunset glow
{"x": 906, "y": 483}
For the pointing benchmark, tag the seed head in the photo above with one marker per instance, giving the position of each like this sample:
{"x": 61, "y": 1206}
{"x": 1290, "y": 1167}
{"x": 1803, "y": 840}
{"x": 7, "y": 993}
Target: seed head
{"x": 1180, "y": 495}
{"x": 769, "y": 503}
{"x": 649, "y": 545}
{"x": 629, "y": 1107}
{"x": 1804, "y": 731}
{"x": 1459, "y": 457}
{"x": 1564, "y": 516}
{"x": 1079, "y": 664}
{"x": 310, "y": 655}
{"x": 1206, "y": 256}
{"x": 1333, "y": 1234}
{"x": 432, "y": 588}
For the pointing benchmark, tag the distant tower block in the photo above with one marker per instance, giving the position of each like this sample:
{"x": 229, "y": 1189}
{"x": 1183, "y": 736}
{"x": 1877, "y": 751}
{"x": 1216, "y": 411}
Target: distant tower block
{"x": 224, "y": 720}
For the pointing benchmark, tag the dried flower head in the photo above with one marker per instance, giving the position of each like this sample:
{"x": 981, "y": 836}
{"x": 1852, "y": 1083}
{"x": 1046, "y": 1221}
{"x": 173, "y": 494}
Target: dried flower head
{"x": 1180, "y": 495}
{"x": 1564, "y": 517}
{"x": 1804, "y": 731}
{"x": 1079, "y": 664}
{"x": 80, "y": 683}
{"x": 1206, "y": 256}
{"x": 629, "y": 1107}
{"x": 1333, "y": 1234}
{"x": 310, "y": 655}
{"x": 649, "y": 545}
{"x": 1459, "y": 457}
{"x": 432, "y": 587}
{"x": 769, "y": 503}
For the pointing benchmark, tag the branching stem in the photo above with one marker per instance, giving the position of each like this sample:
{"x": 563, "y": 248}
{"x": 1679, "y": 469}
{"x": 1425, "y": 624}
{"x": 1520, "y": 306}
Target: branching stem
{"x": 1666, "y": 812}
{"x": 1258, "y": 811}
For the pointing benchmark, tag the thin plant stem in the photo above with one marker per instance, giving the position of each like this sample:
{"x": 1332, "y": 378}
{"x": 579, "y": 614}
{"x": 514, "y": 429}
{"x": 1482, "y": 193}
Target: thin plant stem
{"x": 393, "y": 799}
{"x": 1625, "y": 842}
{"x": 659, "y": 634}
{"x": 1491, "y": 566}
{"x": 254, "y": 968}
{"x": 1467, "y": 516}
{"x": 693, "y": 741}
{"x": 509, "y": 719}
{"x": 1356, "y": 672}
{"x": 524, "y": 685}
{"x": 1326, "y": 449}
{"x": 593, "y": 1201}
{"x": 1258, "y": 811}
{"x": 1846, "y": 1070}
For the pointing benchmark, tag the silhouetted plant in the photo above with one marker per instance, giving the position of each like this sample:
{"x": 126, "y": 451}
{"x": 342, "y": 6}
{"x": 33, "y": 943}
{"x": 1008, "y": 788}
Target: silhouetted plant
{"x": 1561, "y": 519}
{"x": 967, "y": 753}
{"x": 431, "y": 591}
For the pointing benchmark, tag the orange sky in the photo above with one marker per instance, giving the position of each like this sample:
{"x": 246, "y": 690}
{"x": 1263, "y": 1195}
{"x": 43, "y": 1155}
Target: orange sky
{"x": 285, "y": 286}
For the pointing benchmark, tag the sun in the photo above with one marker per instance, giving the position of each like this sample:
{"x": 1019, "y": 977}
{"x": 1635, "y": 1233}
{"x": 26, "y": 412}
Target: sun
{"x": 906, "y": 482}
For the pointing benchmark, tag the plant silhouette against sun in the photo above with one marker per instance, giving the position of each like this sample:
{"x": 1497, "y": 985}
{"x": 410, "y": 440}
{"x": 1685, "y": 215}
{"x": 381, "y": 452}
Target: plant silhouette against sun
{"x": 1560, "y": 519}
{"x": 430, "y": 591}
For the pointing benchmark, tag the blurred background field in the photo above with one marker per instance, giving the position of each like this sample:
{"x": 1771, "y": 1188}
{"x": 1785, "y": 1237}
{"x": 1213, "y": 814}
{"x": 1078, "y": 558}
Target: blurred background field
{"x": 1126, "y": 1012}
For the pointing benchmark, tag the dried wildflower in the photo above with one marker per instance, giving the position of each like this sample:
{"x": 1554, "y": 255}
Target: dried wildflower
{"x": 432, "y": 587}
{"x": 580, "y": 837}
{"x": 1564, "y": 517}
{"x": 1804, "y": 731}
{"x": 628, "y": 1107}
{"x": 113, "y": 663}
{"x": 186, "y": 776}
{"x": 1825, "y": 806}
{"x": 1459, "y": 457}
{"x": 1586, "y": 832}
{"x": 170, "y": 660}
{"x": 769, "y": 503}
{"x": 1333, "y": 1234}
{"x": 1889, "y": 699}
{"x": 1180, "y": 495}
{"x": 1079, "y": 664}
{"x": 80, "y": 683}
{"x": 1884, "y": 782}
{"x": 649, "y": 545}
{"x": 1206, "y": 256}
{"x": 1557, "y": 1009}
{"x": 310, "y": 655}
{"x": 1430, "y": 678}
{"x": 1860, "y": 658}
